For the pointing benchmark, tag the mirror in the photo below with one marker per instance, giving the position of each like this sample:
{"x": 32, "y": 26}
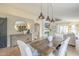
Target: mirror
{"x": 20, "y": 26}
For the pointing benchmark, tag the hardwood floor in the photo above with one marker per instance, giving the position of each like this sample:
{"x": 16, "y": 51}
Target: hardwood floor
{"x": 71, "y": 51}
{"x": 14, "y": 51}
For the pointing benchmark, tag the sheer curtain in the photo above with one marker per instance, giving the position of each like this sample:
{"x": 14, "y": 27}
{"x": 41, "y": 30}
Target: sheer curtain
{"x": 62, "y": 29}
{"x": 74, "y": 29}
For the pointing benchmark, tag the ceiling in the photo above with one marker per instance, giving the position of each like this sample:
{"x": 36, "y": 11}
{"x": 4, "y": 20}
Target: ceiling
{"x": 32, "y": 10}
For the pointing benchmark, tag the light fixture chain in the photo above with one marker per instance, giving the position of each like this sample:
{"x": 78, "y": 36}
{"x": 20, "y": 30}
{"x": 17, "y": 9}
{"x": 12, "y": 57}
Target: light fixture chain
{"x": 41, "y": 7}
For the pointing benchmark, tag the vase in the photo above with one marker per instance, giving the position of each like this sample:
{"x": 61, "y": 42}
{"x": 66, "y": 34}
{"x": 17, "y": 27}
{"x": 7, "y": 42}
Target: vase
{"x": 50, "y": 39}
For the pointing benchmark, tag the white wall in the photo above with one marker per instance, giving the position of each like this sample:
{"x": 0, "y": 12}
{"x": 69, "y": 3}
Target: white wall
{"x": 11, "y": 23}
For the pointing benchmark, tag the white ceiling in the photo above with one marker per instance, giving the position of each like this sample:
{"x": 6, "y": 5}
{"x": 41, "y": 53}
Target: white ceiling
{"x": 60, "y": 10}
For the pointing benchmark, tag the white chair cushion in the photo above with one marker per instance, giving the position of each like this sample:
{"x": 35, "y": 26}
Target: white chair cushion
{"x": 63, "y": 47}
{"x": 34, "y": 51}
{"x": 24, "y": 48}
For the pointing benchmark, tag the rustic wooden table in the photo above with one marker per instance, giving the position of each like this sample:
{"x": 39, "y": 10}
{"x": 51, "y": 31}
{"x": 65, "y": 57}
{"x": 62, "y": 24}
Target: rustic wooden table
{"x": 43, "y": 48}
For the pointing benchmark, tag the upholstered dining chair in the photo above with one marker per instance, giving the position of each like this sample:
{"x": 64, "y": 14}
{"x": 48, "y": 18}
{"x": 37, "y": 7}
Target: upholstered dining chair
{"x": 25, "y": 49}
{"x": 77, "y": 46}
{"x": 63, "y": 48}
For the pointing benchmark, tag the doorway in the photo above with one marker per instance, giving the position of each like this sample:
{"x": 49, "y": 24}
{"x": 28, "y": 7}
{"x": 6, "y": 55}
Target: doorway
{"x": 3, "y": 32}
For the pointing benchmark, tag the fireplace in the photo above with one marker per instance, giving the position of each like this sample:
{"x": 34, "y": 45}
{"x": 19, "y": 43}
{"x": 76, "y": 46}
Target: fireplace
{"x": 27, "y": 38}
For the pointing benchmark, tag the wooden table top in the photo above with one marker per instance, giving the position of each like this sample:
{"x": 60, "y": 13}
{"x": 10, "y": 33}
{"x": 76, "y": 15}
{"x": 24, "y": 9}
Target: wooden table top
{"x": 42, "y": 47}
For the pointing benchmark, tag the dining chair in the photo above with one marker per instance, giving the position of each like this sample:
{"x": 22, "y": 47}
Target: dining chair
{"x": 58, "y": 37}
{"x": 25, "y": 49}
{"x": 72, "y": 38}
{"x": 63, "y": 48}
{"x": 77, "y": 46}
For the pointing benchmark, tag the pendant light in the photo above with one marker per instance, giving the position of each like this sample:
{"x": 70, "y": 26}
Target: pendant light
{"x": 47, "y": 19}
{"x": 52, "y": 20}
{"x": 41, "y": 14}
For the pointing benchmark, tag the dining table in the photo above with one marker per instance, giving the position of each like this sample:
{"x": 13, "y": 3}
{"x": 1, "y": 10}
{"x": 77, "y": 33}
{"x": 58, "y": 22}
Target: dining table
{"x": 42, "y": 46}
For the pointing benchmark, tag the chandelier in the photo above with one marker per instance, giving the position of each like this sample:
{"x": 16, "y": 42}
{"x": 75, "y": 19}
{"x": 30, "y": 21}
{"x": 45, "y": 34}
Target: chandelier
{"x": 48, "y": 18}
{"x": 41, "y": 14}
{"x": 52, "y": 20}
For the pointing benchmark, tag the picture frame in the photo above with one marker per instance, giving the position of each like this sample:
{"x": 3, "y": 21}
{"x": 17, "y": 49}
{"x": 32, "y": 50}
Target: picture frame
{"x": 46, "y": 25}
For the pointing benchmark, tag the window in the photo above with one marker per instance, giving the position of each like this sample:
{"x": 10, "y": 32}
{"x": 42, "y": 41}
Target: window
{"x": 63, "y": 29}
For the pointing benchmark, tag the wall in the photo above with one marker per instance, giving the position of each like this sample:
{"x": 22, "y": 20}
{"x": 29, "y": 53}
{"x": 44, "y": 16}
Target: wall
{"x": 11, "y": 23}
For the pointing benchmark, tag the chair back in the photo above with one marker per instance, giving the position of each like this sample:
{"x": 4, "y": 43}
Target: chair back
{"x": 63, "y": 48}
{"x": 24, "y": 48}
